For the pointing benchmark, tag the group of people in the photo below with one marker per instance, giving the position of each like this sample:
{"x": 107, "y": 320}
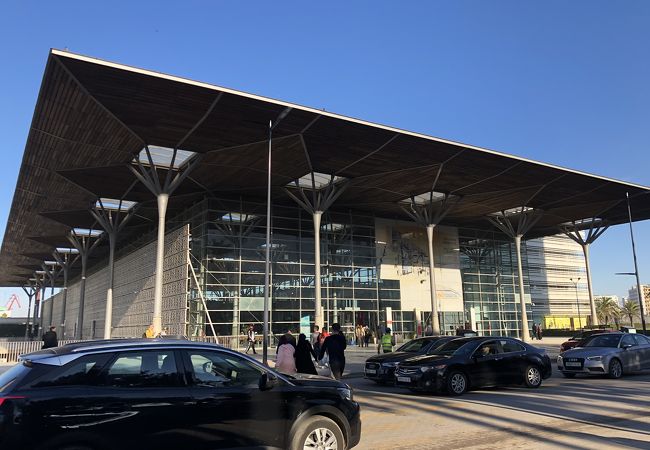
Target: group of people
{"x": 537, "y": 331}
{"x": 362, "y": 335}
{"x": 296, "y": 357}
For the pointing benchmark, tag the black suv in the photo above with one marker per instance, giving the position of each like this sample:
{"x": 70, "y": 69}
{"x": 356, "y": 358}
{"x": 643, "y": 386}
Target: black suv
{"x": 163, "y": 393}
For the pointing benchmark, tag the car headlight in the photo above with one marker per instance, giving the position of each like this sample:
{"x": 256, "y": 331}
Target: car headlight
{"x": 389, "y": 364}
{"x": 428, "y": 368}
{"x": 559, "y": 358}
{"x": 345, "y": 392}
{"x": 595, "y": 358}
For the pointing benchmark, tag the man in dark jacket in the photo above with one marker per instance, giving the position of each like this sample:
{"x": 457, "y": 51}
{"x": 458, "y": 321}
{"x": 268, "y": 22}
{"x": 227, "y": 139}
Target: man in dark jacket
{"x": 49, "y": 338}
{"x": 335, "y": 345}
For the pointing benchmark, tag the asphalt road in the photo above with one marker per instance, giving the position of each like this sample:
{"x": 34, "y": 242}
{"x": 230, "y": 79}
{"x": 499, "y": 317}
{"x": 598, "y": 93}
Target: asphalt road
{"x": 582, "y": 413}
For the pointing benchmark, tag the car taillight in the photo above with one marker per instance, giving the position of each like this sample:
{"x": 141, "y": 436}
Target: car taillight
{"x": 11, "y": 397}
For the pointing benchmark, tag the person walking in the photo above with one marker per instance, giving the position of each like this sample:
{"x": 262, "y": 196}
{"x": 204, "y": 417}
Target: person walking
{"x": 315, "y": 340}
{"x": 367, "y": 334}
{"x": 334, "y": 345}
{"x": 50, "y": 339}
{"x": 285, "y": 361}
{"x": 539, "y": 331}
{"x": 387, "y": 342}
{"x": 251, "y": 339}
{"x": 304, "y": 353}
{"x": 358, "y": 335}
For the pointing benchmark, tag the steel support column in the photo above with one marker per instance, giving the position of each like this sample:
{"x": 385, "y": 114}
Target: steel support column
{"x": 52, "y": 275}
{"x": 112, "y": 223}
{"x": 30, "y": 291}
{"x": 435, "y": 321}
{"x": 594, "y": 228}
{"x": 162, "y": 189}
{"x": 84, "y": 244}
{"x": 515, "y": 225}
{"x": 318, "y": 307}
{"x": 64, "y": 262}
{"x": 321, "y": 200}
{"x": 429, "y": 215}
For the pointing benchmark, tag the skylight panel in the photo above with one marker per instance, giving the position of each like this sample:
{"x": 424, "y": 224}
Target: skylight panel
{"x": 321, "y": 180}
{"x": 162, "y": 156}
{"x": 111, "y": 204}
{"x": 86, "y": 232}
{"x": 424, "y": 199}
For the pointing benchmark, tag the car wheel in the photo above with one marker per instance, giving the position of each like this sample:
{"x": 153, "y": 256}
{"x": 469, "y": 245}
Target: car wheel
{"x": 318, "y": 432}
{"x": 568, "y": 375}
{"x": 615, "y": 369}
{"x": 532, "y": 377}
{"x": 457, "y": 383}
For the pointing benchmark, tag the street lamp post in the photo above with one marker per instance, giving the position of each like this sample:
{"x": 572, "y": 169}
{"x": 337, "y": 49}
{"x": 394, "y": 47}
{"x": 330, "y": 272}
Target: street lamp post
{"x": 575, "y": 283}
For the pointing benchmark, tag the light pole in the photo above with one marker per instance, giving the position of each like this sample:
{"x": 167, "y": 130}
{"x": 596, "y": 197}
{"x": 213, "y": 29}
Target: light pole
{"x": 636, "y": 267}
{"x": 575, "y": 283}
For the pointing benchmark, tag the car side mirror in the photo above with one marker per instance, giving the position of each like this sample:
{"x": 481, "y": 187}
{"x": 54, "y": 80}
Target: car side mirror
{"x": 267, "y": 381}
{"x": 626, "y": 346}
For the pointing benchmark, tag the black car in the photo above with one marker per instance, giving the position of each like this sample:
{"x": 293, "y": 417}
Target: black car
{"x": 160, "y": 393}
{"x": 467, "y": 363}
{"x": 381, "y": 368}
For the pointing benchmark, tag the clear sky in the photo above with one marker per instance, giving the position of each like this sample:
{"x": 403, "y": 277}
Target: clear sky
{"x": 561, "y": 82}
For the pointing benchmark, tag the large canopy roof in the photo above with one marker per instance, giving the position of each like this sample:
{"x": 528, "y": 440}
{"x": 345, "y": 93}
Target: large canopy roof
{"x": 92, "y": 117}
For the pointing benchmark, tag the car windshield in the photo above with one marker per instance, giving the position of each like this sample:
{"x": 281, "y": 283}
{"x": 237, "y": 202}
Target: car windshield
{"x": 602, "y": 341}
{"x": 414, "y": 346}
{"x": 455, "y": 347}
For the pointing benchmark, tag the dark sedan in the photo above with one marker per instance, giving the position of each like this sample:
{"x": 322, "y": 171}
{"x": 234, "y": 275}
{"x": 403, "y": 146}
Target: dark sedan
{"x": 470, "y": 363}
{"x": 168, "y": 394}
{"x": 578, "y": 339}
{"x": 381, "y": 368}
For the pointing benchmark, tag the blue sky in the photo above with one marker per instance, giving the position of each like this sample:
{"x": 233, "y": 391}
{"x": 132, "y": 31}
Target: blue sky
{"x": 556, "y": 81}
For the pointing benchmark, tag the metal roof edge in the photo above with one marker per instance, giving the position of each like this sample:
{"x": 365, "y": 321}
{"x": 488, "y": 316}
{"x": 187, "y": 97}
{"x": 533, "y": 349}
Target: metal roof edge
{"x": 152, "y": 73}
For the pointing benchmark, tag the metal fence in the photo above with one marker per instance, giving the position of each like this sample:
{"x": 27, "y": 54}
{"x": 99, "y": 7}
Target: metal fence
{"x": 11, "y": 350}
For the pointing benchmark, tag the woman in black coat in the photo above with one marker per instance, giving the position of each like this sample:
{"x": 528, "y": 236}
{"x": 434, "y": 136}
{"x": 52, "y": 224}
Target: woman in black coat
{"x": 304, "y": 352}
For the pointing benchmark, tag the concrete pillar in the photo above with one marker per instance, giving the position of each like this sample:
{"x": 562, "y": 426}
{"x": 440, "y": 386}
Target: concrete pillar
{"x": 318, "y": 308}
{"x": 435, "y": 323}
{"x": 592, "y": 302}
{"x": 524, "y": 334}
{"x": 163, "y": 199}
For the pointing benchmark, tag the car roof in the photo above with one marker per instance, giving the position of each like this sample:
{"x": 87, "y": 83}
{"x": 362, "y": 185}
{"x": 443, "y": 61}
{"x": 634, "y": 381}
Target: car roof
{"x": 115, "y": 344}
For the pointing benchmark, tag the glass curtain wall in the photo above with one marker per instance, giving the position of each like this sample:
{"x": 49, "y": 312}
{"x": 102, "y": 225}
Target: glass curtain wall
{"x": 228, "y": 253}
{"x": 490, "y": 284}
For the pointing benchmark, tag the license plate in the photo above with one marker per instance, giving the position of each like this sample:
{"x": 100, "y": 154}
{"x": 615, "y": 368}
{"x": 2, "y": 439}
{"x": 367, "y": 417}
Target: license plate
{"x": 404, "y": 379}
{"x": 371, "y": 371}
{"x": 572, "y": 364}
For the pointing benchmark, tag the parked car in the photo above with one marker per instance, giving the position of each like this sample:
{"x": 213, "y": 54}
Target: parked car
{"x": 381, "y": 368}
{"x": 576, "y": 340}
{"x": 611, "y": 354}
{"x": 470, "y": 363}
{"x": 160, "y": 393}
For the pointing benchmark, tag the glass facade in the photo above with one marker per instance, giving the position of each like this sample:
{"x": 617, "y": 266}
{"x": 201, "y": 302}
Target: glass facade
{"x": 227, "y": 253}
{"x": 228, "y": 256}
{"x": 490, "y": 283}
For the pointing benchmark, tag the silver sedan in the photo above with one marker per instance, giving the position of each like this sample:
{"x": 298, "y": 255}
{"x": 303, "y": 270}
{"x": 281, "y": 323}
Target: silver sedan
{"x": 610, "y": 354}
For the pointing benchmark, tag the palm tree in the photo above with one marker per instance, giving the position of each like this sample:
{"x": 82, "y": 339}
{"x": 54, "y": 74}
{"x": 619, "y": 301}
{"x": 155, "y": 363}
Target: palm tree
{"x": 631, "y": 310}
{"x": 606, "y": 308}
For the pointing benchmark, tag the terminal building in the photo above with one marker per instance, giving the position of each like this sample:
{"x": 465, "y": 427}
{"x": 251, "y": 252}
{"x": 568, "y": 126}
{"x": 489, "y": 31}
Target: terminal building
{"x": 143, "y": 197}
